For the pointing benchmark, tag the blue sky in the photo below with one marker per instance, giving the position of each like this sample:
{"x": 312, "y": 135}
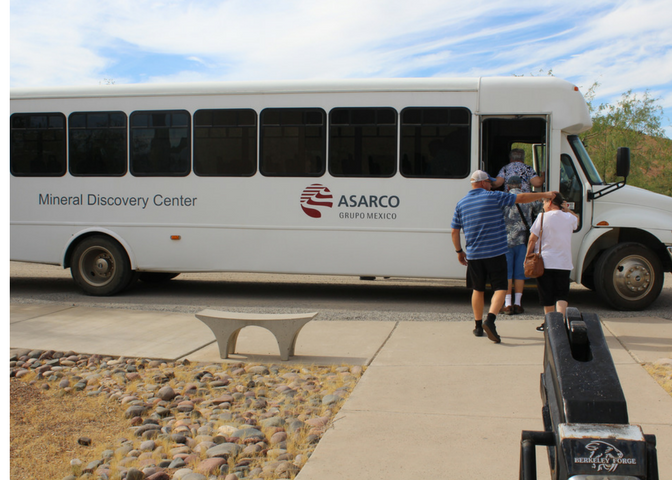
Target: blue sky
{"x": 622, "y": 45}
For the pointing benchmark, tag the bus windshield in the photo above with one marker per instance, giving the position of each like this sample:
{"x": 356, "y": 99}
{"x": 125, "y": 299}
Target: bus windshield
{"x": 586, "y": 163}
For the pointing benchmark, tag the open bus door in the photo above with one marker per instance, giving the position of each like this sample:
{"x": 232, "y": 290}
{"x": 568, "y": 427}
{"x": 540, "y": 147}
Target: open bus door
{"x": 501, "y": 133}
{"x": 540, "y": 163}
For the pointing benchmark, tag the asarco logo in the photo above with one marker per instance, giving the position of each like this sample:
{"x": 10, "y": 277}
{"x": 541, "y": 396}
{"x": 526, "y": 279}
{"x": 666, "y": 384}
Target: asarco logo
{"x": 314, "y": 198}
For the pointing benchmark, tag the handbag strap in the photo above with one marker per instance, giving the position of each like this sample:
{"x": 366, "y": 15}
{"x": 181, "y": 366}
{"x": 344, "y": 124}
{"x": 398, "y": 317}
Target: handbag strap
{"x": 541, "y": 231}
{"x": 520, "y": 210}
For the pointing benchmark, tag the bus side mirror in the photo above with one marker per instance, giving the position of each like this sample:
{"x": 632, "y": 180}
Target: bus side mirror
{"x": 623, "y": 162}
{"x": 622, "y": 170}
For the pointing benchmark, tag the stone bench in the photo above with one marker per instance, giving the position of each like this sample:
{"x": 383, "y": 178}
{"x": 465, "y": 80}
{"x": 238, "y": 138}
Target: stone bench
{"x": 227, "y": 325}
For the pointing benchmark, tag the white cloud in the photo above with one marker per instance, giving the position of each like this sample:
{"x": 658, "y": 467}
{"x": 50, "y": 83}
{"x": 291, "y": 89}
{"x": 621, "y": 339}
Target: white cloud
{"x": 47, "y": 47}
{"x": 624, "y": 45}
{"x": 260, "y": 38}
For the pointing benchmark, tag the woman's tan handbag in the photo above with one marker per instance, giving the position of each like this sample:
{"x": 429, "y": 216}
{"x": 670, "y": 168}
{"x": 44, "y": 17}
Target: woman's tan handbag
{"x": 534, "y": 264}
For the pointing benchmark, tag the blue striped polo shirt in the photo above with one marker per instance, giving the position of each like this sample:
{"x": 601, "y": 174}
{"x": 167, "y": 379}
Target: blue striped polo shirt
{"x": 480, "y": 214}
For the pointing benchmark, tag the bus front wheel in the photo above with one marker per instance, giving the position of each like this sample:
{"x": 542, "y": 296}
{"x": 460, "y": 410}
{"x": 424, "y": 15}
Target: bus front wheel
{"x": 100, "y": 266}
{"x": 628, "y": 276}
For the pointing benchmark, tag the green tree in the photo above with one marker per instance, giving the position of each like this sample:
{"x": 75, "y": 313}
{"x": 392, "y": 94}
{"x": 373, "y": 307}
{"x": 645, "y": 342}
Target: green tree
{"x": 635, "y": 121}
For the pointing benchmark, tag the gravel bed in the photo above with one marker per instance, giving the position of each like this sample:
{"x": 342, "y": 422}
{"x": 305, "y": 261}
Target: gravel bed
{"x": 190, "y": 421}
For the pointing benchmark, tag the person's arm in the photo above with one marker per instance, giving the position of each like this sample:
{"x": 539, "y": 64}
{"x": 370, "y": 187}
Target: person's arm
{"x": 537, "y": 181}
{"x": 531, "y": 197}
{"x": 565, "y": 208}
{"x": 498, "y": 182}
{"x": 457, "y": 243}
{"x": 531, "y": 243}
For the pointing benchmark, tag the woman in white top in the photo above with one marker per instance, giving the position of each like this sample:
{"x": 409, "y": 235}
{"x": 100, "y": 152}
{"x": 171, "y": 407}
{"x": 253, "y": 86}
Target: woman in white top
{"x": 559, "y": 222}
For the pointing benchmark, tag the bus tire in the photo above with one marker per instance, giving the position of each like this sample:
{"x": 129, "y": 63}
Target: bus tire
{"x": 100, "y": 266}
{"x": 588, "y": 281}
{"x": 156, "y": 277}
{"x": 628, "y": 276}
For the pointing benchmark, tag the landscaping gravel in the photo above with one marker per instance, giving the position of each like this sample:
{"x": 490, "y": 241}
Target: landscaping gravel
{"x": 227, "y": 421}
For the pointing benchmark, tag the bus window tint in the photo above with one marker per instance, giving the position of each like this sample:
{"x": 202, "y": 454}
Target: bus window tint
{"x": 363, "y": 142}
{"x": 97, "y": 143}
{"x": 225, "y": 142}
{"x": 292, "y": 142}
{"x": 435, "y": 142}
{"x": 160, "y": 143}
{"x": 37, "y": 144}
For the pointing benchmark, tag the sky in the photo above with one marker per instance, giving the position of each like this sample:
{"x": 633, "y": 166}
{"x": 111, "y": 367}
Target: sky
{"x": 621, "y": 45}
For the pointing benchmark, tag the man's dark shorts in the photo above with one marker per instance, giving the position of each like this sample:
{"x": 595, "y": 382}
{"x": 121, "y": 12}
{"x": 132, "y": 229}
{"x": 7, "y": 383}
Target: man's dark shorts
{"x": 553, "y": 285}
{"x": 494, "y": 269}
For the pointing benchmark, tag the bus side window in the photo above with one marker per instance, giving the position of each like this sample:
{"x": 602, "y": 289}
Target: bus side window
{"x": 570, "y": 186}
{"x": 160, "y": 143}
{"x": 363, "y": 142}
{"x": 98, "y": 145}
{"x": 293, "y": 142}
{"x": 37, "y": 144}
{"x": 225, "y": 142}
{"x": 435, "y": 142}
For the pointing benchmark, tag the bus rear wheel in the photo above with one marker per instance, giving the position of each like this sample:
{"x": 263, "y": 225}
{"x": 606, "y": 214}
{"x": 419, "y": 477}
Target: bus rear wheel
{"x": 628, "y": 276}
{"x": 100, "y": 266}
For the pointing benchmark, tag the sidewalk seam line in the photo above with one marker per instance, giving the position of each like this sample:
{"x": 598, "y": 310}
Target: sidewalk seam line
{"x": 396, "y": 324}
{"x": 632, "y": 355}
{"x": 38, "y": 316}
{"x": 196, "y": 350}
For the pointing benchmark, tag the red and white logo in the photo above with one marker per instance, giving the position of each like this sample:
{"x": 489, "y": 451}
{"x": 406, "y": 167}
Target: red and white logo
{"x": 314, "y": 198}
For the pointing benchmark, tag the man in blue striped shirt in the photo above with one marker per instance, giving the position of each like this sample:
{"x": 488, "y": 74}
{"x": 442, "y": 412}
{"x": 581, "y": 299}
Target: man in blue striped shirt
{"x": 481, "y": 215}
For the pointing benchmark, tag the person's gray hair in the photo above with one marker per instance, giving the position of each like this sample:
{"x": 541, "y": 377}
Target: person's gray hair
{"x": 517, "y": 155}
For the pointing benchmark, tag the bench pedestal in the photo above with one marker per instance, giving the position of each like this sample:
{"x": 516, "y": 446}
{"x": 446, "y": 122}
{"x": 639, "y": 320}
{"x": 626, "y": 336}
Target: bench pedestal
{"x": 227, "y": 325}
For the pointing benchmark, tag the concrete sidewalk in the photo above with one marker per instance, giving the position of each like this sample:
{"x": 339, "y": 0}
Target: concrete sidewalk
{"x": 173, "y": 336}
{"x": 435, "y": 401}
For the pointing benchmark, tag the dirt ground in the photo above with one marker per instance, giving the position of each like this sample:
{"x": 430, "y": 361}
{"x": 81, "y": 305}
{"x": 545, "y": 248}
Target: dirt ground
{"x": 45, "y": 427}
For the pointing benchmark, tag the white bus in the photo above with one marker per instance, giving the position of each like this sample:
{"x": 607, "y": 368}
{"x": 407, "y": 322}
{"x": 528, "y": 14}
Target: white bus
{"x": 351, "y": 177}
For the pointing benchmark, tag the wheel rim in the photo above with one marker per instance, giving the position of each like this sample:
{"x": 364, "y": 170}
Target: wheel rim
{"x": 633, "y": 277}
{"x": 96, "y": 266}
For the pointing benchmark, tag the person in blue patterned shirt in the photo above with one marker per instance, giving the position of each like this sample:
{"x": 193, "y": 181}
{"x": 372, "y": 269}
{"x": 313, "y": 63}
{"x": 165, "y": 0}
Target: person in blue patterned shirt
{"x": 481, "y": 215}
{"x": 517, "y": 234}
{"x": 517, "y": 167}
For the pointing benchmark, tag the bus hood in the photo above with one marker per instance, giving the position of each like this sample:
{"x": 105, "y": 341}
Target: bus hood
{"x": 634, "y": 207}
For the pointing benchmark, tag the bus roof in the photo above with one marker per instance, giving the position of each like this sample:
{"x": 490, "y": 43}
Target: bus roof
{"x": 496, "y": 95}
{"x": 253, "y": 87}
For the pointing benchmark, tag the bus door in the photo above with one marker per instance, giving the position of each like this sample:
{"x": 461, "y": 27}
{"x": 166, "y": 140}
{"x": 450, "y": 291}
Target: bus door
{"x": 502, "y": 133}
{"x": 540, "y": 162}
{"x": 571, "y": 186}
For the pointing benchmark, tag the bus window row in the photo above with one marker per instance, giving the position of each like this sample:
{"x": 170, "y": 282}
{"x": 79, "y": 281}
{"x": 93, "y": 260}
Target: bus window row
{"x": 363, "y": 142}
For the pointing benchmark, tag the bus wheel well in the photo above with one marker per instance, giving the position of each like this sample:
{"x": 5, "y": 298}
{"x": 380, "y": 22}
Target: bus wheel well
{"x": 623, "y": 235}
{"x": 626, "y": 235}
{"x": 628, "y": 276}
{"x": 100, "y": 265}
{"x": 67, "y": 259}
